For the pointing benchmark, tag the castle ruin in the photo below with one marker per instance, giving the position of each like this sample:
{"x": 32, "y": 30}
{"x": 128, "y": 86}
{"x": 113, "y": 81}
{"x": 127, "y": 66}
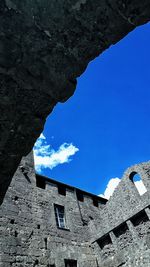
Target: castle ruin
{"x": 45, "y": 223}
{"x": 45, "y": 45}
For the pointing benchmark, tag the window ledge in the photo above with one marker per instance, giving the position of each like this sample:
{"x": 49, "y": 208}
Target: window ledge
{"x": 61, "y": 228}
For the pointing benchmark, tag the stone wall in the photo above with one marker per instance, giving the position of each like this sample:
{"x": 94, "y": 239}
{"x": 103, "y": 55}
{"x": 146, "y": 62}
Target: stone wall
{"x": 125, "y": 224}
{"x": 45, "y": 45}
{"x": 96, "y": 233}
{"x": 29, "y": 235}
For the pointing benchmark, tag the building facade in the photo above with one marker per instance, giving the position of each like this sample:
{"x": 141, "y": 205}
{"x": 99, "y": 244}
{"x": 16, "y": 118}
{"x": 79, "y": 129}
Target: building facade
{"x": 49, "y": 224}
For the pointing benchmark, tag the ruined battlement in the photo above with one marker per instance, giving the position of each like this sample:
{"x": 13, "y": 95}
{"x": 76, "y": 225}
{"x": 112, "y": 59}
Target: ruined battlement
{"x": 46, "y": 223}
{"x": 53, "y": 186}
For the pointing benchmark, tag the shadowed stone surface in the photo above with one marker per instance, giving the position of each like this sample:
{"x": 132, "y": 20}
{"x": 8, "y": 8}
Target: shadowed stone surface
{"x": 44, "y": 46}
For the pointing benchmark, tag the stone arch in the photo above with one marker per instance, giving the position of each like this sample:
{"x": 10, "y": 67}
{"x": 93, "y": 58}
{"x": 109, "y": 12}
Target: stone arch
{"x": 136, "y": 179}
{"x": 45, "y": 47}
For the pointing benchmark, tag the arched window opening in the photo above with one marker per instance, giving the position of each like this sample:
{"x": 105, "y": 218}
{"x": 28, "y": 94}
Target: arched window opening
{"x": 137, "y": 181}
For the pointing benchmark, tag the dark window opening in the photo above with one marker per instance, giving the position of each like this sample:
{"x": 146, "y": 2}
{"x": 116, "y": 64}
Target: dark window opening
{"x": 60, "y": 216}
{"x": 45, "y": 241}
{"x": 139, "y": 218}
{"x": 80, "y": 196}
{"x": 15, "y": 198}
{"x": 36, "y": 263}
{"x": 120, "y": 230}
{"x": 12, "y": 221}
{"x": 40, "y": 182}
{"x": 137, "y": 181}
{"x": 38, "y": 226}
{"x": 16, "y": 234}
{"x": 104, "y": 241}
{"x": 95, "y": 202}
{"x": 62, "y": 190}
{"x": 70, "y": 263}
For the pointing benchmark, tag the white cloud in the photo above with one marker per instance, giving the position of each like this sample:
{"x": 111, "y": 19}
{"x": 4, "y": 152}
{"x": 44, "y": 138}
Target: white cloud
{"x": 140, "y": 187}
{"x": 46, "y": 157}
{"x": 113, "y": 183}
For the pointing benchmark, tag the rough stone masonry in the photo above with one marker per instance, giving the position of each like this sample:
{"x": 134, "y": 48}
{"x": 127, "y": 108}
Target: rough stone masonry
{"x": 45, "y": 223}
{"x": 44, "y": 46}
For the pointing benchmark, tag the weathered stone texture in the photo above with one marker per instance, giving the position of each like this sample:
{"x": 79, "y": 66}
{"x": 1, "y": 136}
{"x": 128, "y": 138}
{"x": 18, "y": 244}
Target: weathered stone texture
{"x": 125, "y": 223}
{"x": 97, "y": 234}
{"x": 44, "y": 46}
{"x": 28, "y": 231}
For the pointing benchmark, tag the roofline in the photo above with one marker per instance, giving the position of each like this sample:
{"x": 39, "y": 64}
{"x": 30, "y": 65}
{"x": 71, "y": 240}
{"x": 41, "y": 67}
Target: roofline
{"x": 71, "y": 187}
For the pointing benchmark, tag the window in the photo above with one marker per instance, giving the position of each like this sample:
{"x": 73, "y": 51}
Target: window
{"x": 70, "y": 263}
{"x": 95, "y": 202}
{"x": 45, "y": 241}
{"x": 121, "y": 230}
{"x": 62, "y": 190}
{"x": 60, "y": 216}
{"x": 139, "y": 218}
{"x": 137, "y": 181}
{"x": 79, "y": 195}
{"x": 104, "y": 241}
{"x": 40, "y": 182}
{"x": 38, "y": 226}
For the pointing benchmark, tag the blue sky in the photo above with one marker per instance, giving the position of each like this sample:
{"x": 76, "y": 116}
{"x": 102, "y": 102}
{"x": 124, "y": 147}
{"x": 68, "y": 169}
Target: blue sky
{"x": 105, "y": 126}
